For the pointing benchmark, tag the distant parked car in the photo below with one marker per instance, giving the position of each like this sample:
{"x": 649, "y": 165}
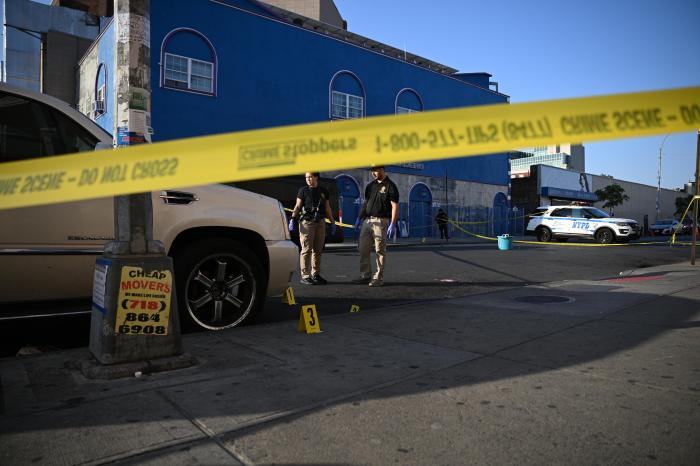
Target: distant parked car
{"x": 686, "y": 228}
{"x": 663, "y": 227}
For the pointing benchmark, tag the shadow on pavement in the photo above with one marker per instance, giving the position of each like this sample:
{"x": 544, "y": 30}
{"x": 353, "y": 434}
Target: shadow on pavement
{"x": 476, "y": 369}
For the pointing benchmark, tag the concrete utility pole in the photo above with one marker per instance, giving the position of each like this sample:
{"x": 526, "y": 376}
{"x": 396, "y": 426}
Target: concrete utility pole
{"x": 134, "y": 315}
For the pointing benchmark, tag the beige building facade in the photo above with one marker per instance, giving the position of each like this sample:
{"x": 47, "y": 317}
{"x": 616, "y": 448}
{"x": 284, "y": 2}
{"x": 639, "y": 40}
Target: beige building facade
{"x": 324, "y": 11}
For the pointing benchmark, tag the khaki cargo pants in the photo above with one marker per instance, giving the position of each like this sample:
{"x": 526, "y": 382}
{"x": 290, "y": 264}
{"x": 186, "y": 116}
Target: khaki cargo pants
{"x": 373, "y": 232}
{"x": 312, "y": 237}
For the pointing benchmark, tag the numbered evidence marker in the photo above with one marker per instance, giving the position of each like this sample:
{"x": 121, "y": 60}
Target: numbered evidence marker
{"x": 354, "y": 308}
{"x": 308, "y": 319}
{"x": 288, "y": 296}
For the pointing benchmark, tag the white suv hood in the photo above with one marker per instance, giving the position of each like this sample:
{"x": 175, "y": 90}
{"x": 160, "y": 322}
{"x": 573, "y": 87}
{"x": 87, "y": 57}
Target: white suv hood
{"x": 617, "y": 219}
{"x": 219, "y": 206}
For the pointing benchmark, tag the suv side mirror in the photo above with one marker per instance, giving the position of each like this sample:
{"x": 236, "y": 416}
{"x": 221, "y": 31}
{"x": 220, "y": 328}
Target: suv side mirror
{"x": 103, "y": 146}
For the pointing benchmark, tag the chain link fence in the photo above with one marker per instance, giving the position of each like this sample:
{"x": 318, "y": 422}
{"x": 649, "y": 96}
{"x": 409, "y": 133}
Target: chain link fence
{"x": 483, "y": 221}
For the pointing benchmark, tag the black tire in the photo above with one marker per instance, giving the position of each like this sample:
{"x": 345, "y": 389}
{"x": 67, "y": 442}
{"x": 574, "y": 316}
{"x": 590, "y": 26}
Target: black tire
{"x": 605, "y": 236}
{"x": 9, "y": 348}
{"x": 13, "y": 334}
{"x": 544, "y": 235}
{"x": 220, "y": 284}
{"x": 562, "y": 240}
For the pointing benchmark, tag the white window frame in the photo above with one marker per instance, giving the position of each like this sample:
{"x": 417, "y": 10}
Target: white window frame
{"x": 189, "y": 74}
{"x": 100, "y": 98}
{"x": 401, "y": 110}
{"x": 101, "y": 93}
{"x": 346, "y": 106}
{"x": 405, "y": 110}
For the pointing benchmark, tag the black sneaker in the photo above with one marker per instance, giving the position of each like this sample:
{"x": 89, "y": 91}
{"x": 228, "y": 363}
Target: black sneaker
{"x": 361, "y": 281}
{"x": 307, "y": 281}
{"x": 319, "y": 280}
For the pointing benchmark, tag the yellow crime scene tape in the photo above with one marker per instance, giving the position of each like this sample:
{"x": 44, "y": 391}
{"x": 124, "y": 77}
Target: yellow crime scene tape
{"x": 338, "y": 145}
{"x": 585, "y": 245}
{"x": 337, "y": 223}
{"x": 680, "y": 222}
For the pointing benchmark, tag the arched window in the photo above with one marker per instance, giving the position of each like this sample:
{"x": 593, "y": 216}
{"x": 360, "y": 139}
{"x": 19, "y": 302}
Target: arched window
{"x": 99, "y": 106}
{"x": 408, "y": 101}
{"x": 188, "y": 62}
{"x": 346, "y": 96}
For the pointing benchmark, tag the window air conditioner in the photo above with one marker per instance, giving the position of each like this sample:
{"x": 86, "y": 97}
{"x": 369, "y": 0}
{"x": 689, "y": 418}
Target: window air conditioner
{"x": 98, "y": 106}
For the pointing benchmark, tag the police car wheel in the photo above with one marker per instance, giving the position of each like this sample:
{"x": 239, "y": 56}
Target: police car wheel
{"x": 220, "y": 284}
{"x": 605, "y": 236}
{"x": 544, "y": 235}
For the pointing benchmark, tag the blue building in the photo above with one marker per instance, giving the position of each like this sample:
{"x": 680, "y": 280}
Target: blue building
{"x": 230, "y": 65}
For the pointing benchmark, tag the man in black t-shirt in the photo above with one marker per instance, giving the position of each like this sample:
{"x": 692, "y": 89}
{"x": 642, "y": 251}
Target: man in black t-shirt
{"x": 377, "y": 220}
{"x": 313, "y": 207}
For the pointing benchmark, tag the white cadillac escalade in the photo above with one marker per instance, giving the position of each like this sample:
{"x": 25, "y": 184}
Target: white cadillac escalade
{"x": 230, "y": 247}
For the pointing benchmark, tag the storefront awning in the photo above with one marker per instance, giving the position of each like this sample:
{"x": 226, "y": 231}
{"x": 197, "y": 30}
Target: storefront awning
{"x": 568, "y": 194}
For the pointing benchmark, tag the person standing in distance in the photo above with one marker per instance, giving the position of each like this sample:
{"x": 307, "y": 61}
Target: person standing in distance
{"x": 377, "y": 222}
{"x": 441, "y": 219}
{"x": 314, "y": 207}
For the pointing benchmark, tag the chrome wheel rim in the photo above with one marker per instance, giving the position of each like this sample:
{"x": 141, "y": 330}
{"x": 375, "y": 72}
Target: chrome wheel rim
{"x": 220, "y": 291}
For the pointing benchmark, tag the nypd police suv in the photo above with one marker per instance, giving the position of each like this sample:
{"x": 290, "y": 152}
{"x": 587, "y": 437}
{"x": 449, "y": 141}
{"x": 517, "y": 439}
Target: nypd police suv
{"x": 574, "y": 221}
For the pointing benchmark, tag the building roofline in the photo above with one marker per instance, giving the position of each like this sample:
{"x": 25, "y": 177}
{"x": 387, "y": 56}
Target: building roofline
{"x": 95, "y": 41}
{"x": 334, "y": 33}
{"x": 331, "y": 32}
{"x": 357, "y": 39}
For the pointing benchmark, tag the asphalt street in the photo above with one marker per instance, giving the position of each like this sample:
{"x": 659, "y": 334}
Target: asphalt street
{"x": 598, "y": 371}
{"x": 415, "y": 273}
{"x": 439, "y": 271}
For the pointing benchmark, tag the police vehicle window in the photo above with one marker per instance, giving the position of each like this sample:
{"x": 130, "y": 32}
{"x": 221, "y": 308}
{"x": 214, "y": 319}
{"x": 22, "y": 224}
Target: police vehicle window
{"x": 538, "y": 212}
{"x": 21, "y": 123}
{"x": 561, "y": 213}
{"x": 596, "y": 213}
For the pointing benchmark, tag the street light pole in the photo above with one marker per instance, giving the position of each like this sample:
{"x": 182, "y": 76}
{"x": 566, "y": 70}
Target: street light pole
{"x": 658, "y": 180}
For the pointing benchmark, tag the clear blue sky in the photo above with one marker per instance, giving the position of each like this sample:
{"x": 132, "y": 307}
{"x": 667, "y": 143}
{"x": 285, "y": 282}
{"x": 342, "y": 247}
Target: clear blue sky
{"x": 549, "y": 49}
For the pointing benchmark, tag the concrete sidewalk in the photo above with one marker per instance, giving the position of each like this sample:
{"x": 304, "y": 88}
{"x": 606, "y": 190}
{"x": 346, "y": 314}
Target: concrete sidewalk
{"x": 577, "y": 372}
